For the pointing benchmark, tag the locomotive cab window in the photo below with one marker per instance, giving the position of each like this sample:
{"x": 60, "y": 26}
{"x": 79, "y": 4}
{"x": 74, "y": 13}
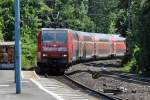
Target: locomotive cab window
{"x": 54, "y": 36}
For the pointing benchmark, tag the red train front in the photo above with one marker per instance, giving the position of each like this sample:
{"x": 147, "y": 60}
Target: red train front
{"x": 53, "y": 46}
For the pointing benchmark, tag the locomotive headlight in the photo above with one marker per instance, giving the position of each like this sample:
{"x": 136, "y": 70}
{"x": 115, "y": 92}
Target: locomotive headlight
{"x": 62, "y": 49}
{"x": 65, "y": 55}
{"x": 44, "y": 55}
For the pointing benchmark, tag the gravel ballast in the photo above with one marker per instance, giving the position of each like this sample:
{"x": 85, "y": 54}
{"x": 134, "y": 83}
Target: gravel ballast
{"x": 93, "y": 77}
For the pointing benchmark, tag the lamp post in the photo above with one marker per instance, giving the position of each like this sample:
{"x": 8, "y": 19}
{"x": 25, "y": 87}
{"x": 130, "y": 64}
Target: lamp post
{"x": 17, "y": 47}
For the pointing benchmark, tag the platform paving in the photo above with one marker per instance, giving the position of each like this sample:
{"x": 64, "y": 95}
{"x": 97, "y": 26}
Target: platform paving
{"x": 30, "y": 91}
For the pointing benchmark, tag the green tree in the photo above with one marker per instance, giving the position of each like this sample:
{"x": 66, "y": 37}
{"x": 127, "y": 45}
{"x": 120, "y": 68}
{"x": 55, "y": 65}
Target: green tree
{"x": 105, "y": 14}
{"x": 7, "y": 19}
{"x": 1, "y": 26}
{"x": 30, "y": 22}
{"x": 73, "y": 13}
{"x": 141, "y": 30}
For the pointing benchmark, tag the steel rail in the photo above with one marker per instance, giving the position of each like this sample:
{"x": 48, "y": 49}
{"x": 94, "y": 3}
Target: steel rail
{"x": 106, "y": 96}
{"x": 127, "y": 77}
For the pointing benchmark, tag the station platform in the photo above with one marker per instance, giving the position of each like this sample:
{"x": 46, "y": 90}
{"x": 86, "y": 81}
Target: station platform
{"x": 30, "y": 91}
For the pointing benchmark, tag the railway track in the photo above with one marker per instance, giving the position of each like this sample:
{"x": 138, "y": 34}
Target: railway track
{"x": 77, "y": 86}
{"x": 120, "y": 85}
{"x": 127, "y": 77}
{"x": 104, "y": 95}
{"x": 124, "y": 76}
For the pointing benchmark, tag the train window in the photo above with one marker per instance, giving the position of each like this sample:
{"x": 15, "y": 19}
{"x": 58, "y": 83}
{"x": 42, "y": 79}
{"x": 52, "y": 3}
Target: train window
{"x": 87, "y": 38}
{"x": 48, "y": 37}
{"x": 54, "y": 36}
{"x": 74, "y": 36}
{"x": 104, "y": 40}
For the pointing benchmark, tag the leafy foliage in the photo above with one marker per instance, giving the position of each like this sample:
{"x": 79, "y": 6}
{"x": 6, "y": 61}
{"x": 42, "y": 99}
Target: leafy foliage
{"x": 7, "y": 19}
{"x": 108, "y": 16}
{"x": 73, "y": 14}
{"x": 1, "y": 26}
{"x": 141, "y": 30}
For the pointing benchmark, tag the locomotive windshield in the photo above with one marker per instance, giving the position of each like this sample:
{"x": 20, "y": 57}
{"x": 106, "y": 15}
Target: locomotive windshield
{"x": 54, "y": 36}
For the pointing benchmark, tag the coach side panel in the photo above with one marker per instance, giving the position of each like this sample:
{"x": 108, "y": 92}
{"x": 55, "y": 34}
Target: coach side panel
{"x": 103, "y": 47}
{"x": 75, "y": 46}
{"x": 120, "y": 48}
{"x": 89, "y": 47}
{"x": 70, "y": 46}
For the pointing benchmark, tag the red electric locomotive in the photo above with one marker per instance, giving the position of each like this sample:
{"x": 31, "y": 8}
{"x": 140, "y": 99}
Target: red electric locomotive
{"x": 58, "y": 48}
{"x": 55, "y": 47}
